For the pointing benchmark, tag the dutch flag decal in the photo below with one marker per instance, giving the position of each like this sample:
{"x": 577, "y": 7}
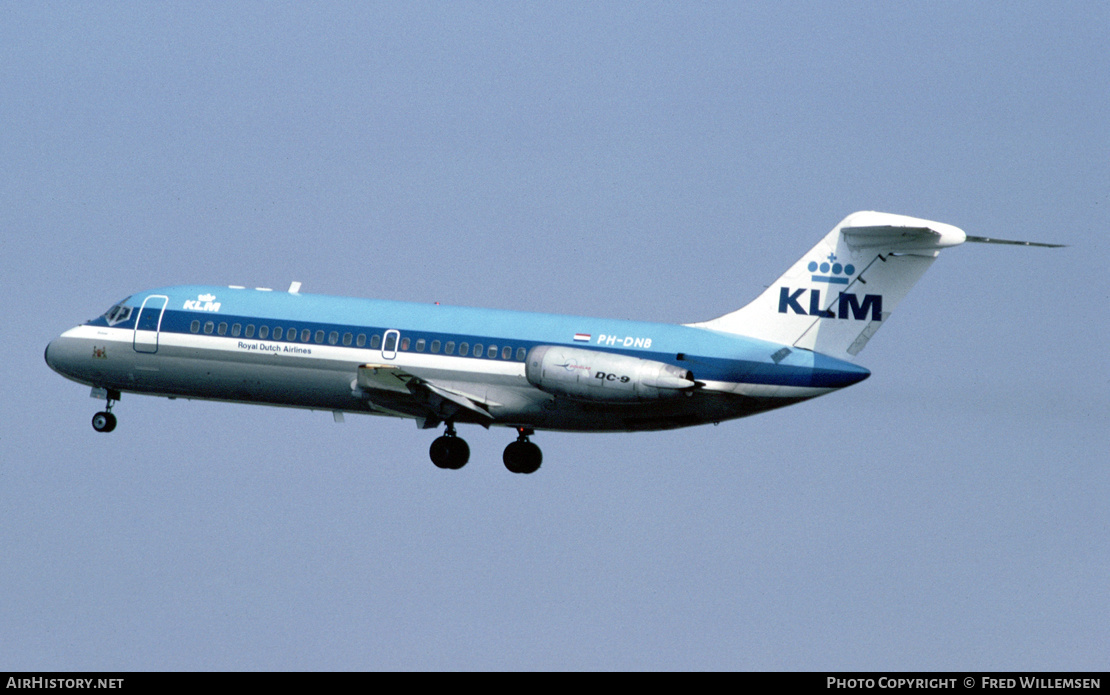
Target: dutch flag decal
{"x": 581, "y": 337}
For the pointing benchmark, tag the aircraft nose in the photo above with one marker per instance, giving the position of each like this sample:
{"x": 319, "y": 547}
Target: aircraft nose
{"x": 46, "y": 355}
{"x": 63, "y": 356}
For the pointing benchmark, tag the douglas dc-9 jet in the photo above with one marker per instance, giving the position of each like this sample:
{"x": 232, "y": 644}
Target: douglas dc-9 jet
{"x": 443, "y": 365}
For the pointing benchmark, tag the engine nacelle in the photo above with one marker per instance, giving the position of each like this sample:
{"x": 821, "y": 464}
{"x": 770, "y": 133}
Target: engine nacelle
{"x": 590, "y": 375}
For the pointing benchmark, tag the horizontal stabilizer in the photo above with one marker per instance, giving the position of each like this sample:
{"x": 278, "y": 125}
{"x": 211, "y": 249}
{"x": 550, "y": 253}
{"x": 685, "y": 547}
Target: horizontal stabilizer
{"x": 902, "y": 238}
{"x": 988, "y": 240}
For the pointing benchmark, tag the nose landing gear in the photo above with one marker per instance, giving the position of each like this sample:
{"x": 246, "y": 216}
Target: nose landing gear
{"x": 522, "y": 456}
{"x": 104, "y": 421}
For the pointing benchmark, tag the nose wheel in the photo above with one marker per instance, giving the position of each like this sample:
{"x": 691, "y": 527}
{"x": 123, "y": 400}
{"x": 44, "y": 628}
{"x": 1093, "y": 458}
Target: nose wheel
{"x": 104, "y": 421}
{"x": 449, "y": 451}
{"x": 522, "y": 456}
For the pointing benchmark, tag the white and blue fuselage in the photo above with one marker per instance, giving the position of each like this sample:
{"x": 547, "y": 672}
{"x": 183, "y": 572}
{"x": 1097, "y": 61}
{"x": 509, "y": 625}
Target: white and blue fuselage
{"x": 305, "y": 350}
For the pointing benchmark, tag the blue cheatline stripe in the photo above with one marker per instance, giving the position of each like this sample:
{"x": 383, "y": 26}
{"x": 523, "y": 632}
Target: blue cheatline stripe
{"x": 710, "y": 355}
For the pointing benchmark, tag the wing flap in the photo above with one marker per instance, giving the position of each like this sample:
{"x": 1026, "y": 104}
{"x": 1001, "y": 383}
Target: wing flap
{"x": 460, "y": 399}
{"x": 388, "y": 377}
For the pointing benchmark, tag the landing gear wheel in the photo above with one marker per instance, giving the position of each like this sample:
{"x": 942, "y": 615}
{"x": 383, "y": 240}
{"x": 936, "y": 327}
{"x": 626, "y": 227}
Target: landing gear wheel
{"x": 104, "y": 422}
{"x": 449, "y": 452}
{"x": 522, "y": 456}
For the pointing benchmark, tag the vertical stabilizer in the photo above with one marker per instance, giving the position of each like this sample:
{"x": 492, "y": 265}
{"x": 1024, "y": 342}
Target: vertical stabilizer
{"x": 839, "y": 294}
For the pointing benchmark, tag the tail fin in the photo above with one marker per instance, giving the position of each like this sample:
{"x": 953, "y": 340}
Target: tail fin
{"x": 838, "y": 295}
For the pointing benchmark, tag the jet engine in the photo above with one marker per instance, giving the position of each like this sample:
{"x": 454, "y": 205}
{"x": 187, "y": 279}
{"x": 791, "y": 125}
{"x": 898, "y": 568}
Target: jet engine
{"x": 590, "y": 375}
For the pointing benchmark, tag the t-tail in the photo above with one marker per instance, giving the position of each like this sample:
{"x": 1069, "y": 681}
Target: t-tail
{"x": 839, "y": 294}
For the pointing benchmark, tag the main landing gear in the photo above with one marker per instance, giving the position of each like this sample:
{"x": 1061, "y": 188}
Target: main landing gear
{"x": 104, "y": 421}
{"x": 522, "y": 456}
{"x": 452, "y": 452}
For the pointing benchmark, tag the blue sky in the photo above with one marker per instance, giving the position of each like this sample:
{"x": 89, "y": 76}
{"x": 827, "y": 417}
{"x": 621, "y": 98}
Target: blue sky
{"x": 659, "y": 162}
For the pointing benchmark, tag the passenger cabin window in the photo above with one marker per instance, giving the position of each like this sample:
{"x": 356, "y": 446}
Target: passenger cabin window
{"x": 506, "y": 353}
{"x": 236, "y": 329}
{"x": 208, "y": 326}
{"x": 390, "y": 342}
{"x": 222, "y": 330}
{"x": 347, "y": 338}
{"x": 449, "y": 348}
{"x": 477, "y": 349}
{"x": 361, "y": 340}
{"x": 521, "y": 353}
{"x": 435, "y": 347}
{"x": 492, "y": 352}
{"x": 464, "y": 349}
{"x": 319, "y": 336}
{"x": 277, "y": 333}
{"x": 420, "y": 345}
{"x": 263, "y": 332}
{"x": 375, "y": 342}
{"x": 250, "y": 330}
{"x": 305, "y": 335}
{"x": 194, "y": 327}
{"x": 404, "y": 343}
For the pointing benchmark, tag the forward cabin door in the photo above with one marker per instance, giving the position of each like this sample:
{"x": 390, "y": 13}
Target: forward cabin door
{"x": 149, "y": 322}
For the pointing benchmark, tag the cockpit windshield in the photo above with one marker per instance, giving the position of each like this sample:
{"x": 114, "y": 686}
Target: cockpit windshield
{"x": 118, "y": 313}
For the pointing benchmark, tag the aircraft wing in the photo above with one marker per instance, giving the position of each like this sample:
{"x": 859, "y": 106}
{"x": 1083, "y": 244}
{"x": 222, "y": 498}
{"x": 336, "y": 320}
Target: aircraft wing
{"x": 384, "y": 377}
{"x": 441, "y": 401}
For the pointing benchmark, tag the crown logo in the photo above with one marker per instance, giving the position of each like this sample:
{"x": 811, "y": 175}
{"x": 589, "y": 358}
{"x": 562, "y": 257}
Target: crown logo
{"x": 839, "y": 273}
{"x": 206, "y": 297}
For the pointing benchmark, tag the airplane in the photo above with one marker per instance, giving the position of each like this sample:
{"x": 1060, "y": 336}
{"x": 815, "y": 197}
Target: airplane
{"x": 444, "y": 365}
